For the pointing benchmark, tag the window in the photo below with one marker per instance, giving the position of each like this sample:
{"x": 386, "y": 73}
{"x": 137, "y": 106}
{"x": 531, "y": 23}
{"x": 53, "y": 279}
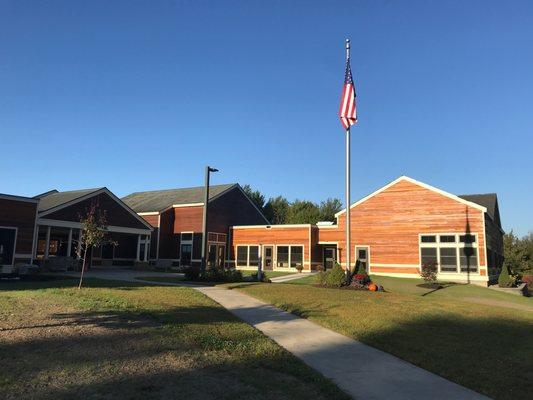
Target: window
{"x": 453, "y": 253}
{"x": 448, "y": 259}
{"x": 467, "y": 239}
{"x": 429, "y": 255}
{"x": 186, "y": 236}
{"x": 447, "y": 238}
{"x": 253, "y": 261}
{"x": 283, "y": 256}
{"x": 468, "y": 259}
{"x": 242, "y": 256}
{"x": 297, "y": 255}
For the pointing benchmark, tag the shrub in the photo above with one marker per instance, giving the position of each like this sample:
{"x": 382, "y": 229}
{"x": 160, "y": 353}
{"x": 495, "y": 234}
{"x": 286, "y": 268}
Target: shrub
{"x": 360, "y": 269}
{"x": 428, "y": 272}
{"x": 505, "y": 279}
{"x": 299, "y": 268}
{"x": 335, "y": 277}
{"x": 191, "y": 273}
{"x": 222, "y": 275}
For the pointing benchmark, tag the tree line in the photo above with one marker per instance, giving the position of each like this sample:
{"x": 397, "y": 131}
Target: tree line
{"x": 518, "y": 253}
{"x": 278, "y": 210}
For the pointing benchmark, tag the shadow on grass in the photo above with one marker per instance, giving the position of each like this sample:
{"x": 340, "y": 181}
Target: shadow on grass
{"x": 192, "y": 352}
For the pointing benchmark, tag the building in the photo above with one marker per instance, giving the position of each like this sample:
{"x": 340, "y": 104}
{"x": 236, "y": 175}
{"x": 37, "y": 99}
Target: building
{"x": 46, "y": 229}
{"x": 17, "y": 229}
{"x": 394, "y": 230}
{"x": 177, "y": 218}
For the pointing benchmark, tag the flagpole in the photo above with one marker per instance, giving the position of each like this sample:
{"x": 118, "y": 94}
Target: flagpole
{"x": 348, "y": 242}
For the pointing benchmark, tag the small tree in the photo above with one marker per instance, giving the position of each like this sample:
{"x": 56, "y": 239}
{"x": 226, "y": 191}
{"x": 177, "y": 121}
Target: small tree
{"x": 505, "y": 279}
{"x": 428, "y": 272}
{"x": 93, "y": 234}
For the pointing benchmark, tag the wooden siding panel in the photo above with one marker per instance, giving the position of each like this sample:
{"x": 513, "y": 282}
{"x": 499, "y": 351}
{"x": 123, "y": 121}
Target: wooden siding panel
{"x": 272, "y": 236}
{"x": 188, "y": 219}
{"x": 391, "y": 221}
{"x": 21, "y": 215}
{"x": 168, "y": 240}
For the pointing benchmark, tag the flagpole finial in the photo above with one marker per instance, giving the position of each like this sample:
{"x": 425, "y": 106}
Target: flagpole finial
{"x": 347, "y": 48}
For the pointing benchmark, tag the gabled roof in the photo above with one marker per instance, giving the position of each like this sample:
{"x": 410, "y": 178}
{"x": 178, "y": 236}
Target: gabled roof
{"x": 487, "y": 200}
{"x": 55, "y": 198}
{"x": 422, "y": 184}
{"x": 159, "y": 200}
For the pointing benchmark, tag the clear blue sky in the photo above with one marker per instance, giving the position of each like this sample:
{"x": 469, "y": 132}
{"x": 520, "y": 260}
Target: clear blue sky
{"x": 140, "y": 95}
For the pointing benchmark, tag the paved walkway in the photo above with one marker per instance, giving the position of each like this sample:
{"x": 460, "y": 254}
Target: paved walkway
{"x": 290, "y": 277}
{"x": 360, "y": 370}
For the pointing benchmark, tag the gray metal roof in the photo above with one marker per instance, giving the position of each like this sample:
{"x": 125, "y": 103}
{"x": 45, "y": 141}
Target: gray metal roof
{"x": 159, "y": 200}
{"x": 55, "y": 198}
{"x": 487, "y": 200}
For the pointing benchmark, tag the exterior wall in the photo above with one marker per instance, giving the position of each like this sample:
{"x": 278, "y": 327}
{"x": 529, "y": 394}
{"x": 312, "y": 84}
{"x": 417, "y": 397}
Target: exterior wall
{"x": 233, "y": 208}
{"x": 154, "y": 221}
{"x": 116, "y": 215}
{"x": 494, "y": 247}
{"x": 390, "y": 223}
{"x": 168, "y": 241}
{"x": 274, "y": 235}
{"x": 188, "y": 219}
{"x": 20, "y": 214}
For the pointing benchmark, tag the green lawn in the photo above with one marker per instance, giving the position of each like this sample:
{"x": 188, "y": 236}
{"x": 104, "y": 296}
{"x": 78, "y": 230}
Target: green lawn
{"x": 132, "y": 341}
{"x": 270, "y": 274}
{"x": 475, "y": 336}
{"x": 166, "y": 279}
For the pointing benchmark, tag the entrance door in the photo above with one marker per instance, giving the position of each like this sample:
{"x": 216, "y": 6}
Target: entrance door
{"x": 7, "y": 245}
{"x": 362, "y": 257}
{"x": 268, "y": 258}
{"x": 186, "y": 255}
{"x": 221, "y": 255}
{"x": 211, "y": 255}
{"x": 329, "y": 256}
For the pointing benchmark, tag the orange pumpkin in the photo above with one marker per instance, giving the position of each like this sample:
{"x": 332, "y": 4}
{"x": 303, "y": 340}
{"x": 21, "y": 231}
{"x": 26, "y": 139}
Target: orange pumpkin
{"x": 372, "y": 287}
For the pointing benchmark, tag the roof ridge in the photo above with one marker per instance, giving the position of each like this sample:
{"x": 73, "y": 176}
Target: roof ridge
{"x": 184, "y": 188}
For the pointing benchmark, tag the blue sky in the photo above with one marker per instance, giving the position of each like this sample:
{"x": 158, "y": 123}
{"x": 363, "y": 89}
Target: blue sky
{"x": 140, "y": 95}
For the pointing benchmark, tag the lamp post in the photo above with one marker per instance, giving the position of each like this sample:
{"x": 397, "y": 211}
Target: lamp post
{"x": 208, "y": 170}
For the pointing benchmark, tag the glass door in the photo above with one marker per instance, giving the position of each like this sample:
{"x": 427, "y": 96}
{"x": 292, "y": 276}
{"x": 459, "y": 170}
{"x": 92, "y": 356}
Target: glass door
{"x": 268, "y": 258}
{"x": 362, "y": 257}
{"x": 329, "y": 257}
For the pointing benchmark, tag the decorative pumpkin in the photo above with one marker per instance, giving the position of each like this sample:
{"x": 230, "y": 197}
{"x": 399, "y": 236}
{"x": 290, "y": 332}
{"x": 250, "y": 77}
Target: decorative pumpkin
{"x": 372, "y": 287}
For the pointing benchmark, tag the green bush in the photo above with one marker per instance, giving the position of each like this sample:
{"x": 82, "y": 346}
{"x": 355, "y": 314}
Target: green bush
{"x": 191, "y": 273}
{"x": 360, "y": 270}
{"x": 222, "y": 275}
{"x": 335, "y": 277}
{"x": 505, "y": 279}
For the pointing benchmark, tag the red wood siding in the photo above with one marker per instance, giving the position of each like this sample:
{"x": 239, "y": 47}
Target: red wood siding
{"x": 188, "y": 219}
{"x": 272, "y": 236}
{"x": 168, "y": 240}
{"x": 391, "y": 221}
{"x": 21, "y": 215}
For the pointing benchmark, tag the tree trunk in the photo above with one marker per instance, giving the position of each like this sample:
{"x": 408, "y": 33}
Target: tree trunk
{"x": 83, "y": 267}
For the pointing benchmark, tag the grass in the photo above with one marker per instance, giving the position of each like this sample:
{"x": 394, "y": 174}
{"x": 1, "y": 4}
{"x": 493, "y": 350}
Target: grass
{"x": 269, "y": 274}
{"x": 179, "y": 279}
{"x": 474, "y": 336}
{"x": 118, "y": 340}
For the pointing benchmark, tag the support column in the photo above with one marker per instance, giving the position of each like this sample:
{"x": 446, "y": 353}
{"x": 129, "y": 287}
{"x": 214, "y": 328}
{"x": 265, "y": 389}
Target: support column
{"x": 146, "y": 248}
{"x": 138, "y": 258}
{"x": 35, "y": 244}
{"x": 69, "y": 245}
{"x": 47, "y": 243}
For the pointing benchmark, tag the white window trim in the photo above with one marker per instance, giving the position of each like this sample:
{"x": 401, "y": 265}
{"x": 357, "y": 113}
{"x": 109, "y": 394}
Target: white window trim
{"x": 290, "y": 246}
{"x": 457, "y": 245}
{"x": 247, "y": 254}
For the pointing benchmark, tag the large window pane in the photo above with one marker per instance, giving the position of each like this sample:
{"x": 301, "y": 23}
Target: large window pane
{"x": 467, "y": 239}
{"x": 447, "y": 238}
{"x": 468, "y": 259}
{"x": 429, "y": 254}
{"x": 297, "y": 253}
{"x": 428, "y": 239}
{"x": 254, "y": 256}
{"x": 283, "y": 256}
{"x": 448, "y": 259}
{"x": 186, "y": 254}
{"x": 242, "y": 255}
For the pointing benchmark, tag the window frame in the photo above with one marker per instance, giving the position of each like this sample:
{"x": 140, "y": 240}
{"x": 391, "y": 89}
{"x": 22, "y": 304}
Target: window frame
{"x": 457, "y": 245}
{"x": 247, "y": 246}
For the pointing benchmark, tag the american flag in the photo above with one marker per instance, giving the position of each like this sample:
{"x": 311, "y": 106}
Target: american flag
{"x": 348, "y": 109}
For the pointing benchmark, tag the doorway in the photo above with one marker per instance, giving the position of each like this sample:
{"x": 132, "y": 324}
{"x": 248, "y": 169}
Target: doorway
{"x": 329, "y": 256}
{"x": 362, "y": 257}
{"x": 268, "y": 258}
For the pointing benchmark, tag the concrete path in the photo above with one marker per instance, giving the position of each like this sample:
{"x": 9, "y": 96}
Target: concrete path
{"x": 290, "y": 277}
{"x": 360, "y": 370}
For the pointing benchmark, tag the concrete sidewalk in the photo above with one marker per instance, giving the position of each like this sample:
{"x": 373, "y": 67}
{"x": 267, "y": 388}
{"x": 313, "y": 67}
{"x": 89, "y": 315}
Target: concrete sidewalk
{"x": 290, "y": 277}
{"x": 360, "y": 370}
